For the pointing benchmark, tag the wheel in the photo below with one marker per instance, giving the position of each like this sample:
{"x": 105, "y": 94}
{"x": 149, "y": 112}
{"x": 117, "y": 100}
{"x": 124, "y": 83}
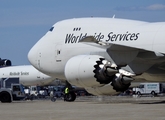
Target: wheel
{"x": 5, "y": 97}
{"x": 153, "y": 93}
{"x": 53, "y": 99}
{"x": 31, "y": 97}
{"x": 70, "y": 97}
{"x": 139, "y": 94}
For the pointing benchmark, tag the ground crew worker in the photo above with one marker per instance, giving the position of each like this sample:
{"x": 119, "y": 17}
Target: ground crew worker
{"x": 66, "y": 93}
{"x": 52, "y": 97}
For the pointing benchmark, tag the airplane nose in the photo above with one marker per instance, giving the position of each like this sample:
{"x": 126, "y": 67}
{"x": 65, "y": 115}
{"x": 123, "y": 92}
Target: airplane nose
{"x": 32, "y": 55}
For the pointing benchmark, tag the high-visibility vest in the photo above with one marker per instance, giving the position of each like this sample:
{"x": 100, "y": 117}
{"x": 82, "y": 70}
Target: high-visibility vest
{"x": 66, "y": 90}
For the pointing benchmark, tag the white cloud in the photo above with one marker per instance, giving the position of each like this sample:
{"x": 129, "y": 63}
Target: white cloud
{"x": 156, "y": 7}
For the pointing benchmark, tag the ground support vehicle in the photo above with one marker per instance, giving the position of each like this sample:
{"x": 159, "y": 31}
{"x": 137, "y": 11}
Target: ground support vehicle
{"x": 15, "y": 92}
{"x": 10, "y": 90}
{"x": 148, "y": 89}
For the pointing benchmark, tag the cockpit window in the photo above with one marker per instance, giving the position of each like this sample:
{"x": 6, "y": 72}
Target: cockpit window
{"x": 51, "y": 29}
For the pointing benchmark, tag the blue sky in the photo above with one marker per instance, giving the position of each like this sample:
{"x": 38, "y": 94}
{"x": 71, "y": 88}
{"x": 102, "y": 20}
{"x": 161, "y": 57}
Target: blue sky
{"x": 24, "y": 22}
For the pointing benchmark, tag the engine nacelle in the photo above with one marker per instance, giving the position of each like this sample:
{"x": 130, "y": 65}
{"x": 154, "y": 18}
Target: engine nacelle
{"x": 96, "y": 74}
{"x": 5, "y": 62}
{"x": 79, "y": 70}
{"x": 89, "y": 71}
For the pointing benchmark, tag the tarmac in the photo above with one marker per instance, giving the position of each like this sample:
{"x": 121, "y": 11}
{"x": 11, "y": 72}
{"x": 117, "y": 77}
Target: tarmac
{"x": 86, "y": 108}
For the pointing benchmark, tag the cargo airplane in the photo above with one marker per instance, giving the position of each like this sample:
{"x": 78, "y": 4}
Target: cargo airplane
{"x": 24, "y": 74}
{"x": 102, "y": 55}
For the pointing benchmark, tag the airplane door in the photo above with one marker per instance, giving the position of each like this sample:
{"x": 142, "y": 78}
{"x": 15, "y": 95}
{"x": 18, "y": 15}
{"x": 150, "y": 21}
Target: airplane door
{"x": 58, "y": 55}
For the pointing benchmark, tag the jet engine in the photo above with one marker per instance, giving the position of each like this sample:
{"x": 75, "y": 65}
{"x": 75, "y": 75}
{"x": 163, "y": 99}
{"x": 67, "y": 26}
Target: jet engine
{"x": 94, "y": 71}
{"x": 89, "y": 70}
{"x": 121, "y": 82}
{"x": 5, "y": 62}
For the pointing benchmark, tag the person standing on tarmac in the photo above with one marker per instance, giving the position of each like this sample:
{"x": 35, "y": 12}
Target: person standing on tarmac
{"x": 52, "y": 97}
{"x": 66, "y": 93}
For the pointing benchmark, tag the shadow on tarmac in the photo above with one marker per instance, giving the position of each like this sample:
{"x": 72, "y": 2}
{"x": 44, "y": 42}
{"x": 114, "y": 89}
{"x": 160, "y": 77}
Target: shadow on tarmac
{"x": 155, "y": 102}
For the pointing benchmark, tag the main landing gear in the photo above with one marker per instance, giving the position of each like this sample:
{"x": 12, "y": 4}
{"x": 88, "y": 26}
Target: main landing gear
{"x": 71, "y": 96}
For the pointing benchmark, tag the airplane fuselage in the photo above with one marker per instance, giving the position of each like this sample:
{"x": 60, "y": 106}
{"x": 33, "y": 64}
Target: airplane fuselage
{"x": 26, "y": 75}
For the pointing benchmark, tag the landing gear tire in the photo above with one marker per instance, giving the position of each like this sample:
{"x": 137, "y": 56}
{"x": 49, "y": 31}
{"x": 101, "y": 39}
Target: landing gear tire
{"x": 70, "y": 97}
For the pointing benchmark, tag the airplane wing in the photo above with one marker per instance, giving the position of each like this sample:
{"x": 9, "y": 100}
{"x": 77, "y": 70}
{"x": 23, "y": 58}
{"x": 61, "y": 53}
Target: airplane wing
{"x": 90, "y": 40}
{"x": 132, "y": 62}
{"x": 120, "y": 53}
